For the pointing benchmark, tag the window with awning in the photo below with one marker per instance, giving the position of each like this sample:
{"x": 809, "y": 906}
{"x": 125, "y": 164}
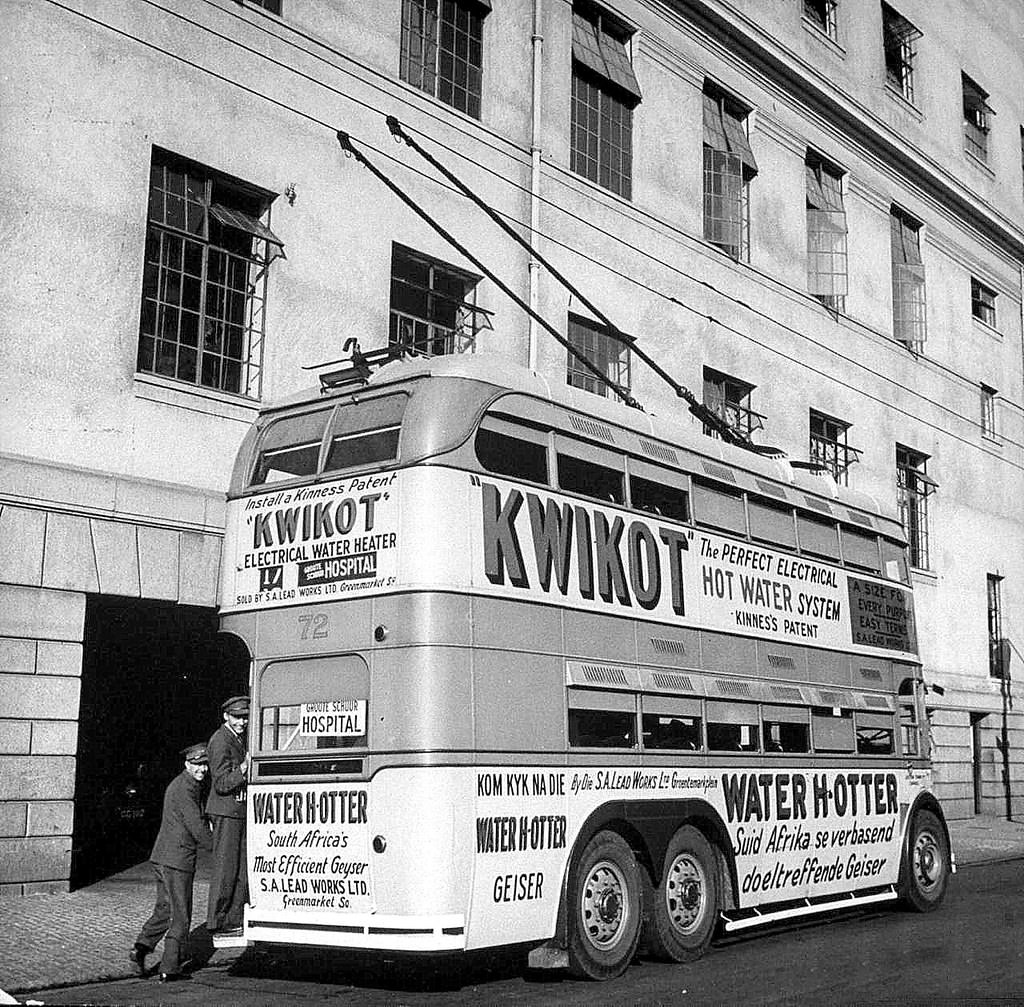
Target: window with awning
{"x": 826, "y": 233}
{"x": 908, "y": 307}
{"x": 729, "y": 165}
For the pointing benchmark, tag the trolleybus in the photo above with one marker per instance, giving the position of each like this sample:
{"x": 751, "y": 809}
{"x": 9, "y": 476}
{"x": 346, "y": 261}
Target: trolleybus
{"x": 530, "y": 667}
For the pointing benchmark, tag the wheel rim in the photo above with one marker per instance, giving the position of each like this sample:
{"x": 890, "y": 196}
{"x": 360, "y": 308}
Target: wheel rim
{"x": 604, "y": 905}
{"x": 928, "y": 862}
{"x": 686, "y": 893}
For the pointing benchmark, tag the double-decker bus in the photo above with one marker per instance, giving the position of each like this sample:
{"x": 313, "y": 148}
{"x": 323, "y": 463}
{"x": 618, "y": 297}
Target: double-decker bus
{"x": 530, "y": 667}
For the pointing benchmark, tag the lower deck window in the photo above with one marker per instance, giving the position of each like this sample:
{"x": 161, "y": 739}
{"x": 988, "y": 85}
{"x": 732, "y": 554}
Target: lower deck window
{"x": 732, "y": 727}
{"x": 672, "y": 732}
{"x": 875, "y": 734}
{"x": 602, "y": 729}
{"x": 833, "y": 729}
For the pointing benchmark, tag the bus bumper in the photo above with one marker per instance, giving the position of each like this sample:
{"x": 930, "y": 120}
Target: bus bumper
{"x": 371, "y": 930}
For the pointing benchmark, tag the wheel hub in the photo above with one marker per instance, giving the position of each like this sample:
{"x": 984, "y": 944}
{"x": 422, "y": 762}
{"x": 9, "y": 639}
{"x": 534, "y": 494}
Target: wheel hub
{"x": 609, "y": 905}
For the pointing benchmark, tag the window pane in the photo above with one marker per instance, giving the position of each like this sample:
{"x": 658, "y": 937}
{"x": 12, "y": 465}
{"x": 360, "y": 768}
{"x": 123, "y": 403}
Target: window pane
{"x": 602, "y": 728}
{"x": 657, "y": 498}
{"x": 512, "y": 456}
{"x": 590, "y": 479}
{"x": 718, "y": 508}
{"x": 668, "y": 732}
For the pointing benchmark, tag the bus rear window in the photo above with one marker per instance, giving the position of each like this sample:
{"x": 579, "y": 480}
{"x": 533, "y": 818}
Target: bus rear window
{"x": 506, "y": 455}
{"x": 290, "y": 447}
{"x": 366, "y": 433}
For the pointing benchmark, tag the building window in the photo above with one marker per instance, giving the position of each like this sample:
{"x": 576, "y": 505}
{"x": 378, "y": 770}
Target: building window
{"x": 988, "y": 411}
{"x": 908, "y": 303}
{"x": 996, "y": 657}
{"x": 608, "y": 355}
{"x": 913, "y": 487}
{"x": 976, "y": 119}
{"x": 729, "y": 167}
{"x": 604, "y": 93}
{"x": 983, "y": 302}
{"x": 433, "y": 305}
{"x": 822, "y": 14}
{"x": 204, "y": 278}
{"x": 729, "y": 398}
{"x": 829, "y": 447}
{"x": 826, "y": 234}
{"x": 442, "y": 50}
{"x": 898, "y": 39}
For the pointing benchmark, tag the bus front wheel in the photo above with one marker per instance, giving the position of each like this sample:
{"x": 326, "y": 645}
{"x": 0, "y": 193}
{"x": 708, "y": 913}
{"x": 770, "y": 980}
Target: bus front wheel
{"x": 926, "y": 863}
{"x": 604, "y": 908}
{"x": 684, "y": 908}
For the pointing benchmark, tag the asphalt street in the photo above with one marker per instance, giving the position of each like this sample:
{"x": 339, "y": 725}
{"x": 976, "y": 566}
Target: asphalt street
{"x": 970, "y": 950}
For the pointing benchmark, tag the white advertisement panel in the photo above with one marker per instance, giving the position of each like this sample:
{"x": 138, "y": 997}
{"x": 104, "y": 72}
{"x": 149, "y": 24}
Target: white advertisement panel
{"x": 434, "y": 528}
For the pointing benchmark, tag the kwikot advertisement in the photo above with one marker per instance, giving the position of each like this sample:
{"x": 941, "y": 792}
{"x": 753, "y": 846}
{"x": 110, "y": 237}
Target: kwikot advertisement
{"x": 440, "y": 529}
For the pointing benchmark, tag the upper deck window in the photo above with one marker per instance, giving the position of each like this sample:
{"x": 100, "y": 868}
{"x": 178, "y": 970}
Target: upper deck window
{"x": 508, "y": 450}
{"x": 291, "y": 447}
{"x": 658, "y": 498}
{"x": 366, "y": 433}
{"x": 719, "y": 507}
{"x": 590, "y": 479}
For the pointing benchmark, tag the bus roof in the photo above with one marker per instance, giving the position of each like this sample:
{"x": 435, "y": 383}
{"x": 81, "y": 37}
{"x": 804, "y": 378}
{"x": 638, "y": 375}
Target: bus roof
{"x": 679, "y": 428}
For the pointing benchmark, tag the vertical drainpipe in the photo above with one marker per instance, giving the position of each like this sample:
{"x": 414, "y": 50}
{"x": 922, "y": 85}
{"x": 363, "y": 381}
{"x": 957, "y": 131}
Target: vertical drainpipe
{"x": 535, "y": 137}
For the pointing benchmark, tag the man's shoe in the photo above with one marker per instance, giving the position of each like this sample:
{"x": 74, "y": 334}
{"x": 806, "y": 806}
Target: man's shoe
{"x": 173, "y": 977}
{"x": 137, "y": 956}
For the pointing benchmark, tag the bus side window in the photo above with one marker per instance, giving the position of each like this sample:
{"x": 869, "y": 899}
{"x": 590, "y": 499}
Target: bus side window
{"x": 772, "y": 522}
{"x": 817, "y": 536}
{"x": 874, "y": 733}
{"x": 599, "y": 719}
{"x": 785, "y": 729}
{"x": 719, "y": 507}
{"x": 507, "y": 455}
{"x": 682, "y": 734}
{"x": 894, "y": 561}
{"x": 657, "y": 498}
{"x": 590, "y": 479}
{"x": 732, "y": 727}
{"x": 860, "y": 549}
{"x": 832, "y": 729}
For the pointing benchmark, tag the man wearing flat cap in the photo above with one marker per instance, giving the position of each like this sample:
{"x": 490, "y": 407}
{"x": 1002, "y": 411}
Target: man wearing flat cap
{"x": 182, "y": 831}
{"x": 229, "y": 767}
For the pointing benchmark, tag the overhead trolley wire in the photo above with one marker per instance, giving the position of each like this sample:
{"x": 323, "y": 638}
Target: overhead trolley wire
{"x": 697, "y": 311}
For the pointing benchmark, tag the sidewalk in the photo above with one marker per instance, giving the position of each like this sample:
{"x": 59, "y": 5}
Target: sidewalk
{"x": 84, "y": 936}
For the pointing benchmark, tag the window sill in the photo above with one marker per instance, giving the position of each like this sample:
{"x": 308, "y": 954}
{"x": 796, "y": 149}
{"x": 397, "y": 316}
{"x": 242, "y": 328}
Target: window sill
{"x": 154, "y": 388}
{"x": 823, "y": 37}
{"x": 989, "y": 330}
{"x": 904, "y": 102}
{"x": 980, "y": 164}
{"x": 919, "y": 574}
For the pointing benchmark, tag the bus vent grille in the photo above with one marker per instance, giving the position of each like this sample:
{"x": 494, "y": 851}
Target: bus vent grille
{"x": 733, "y": 688}
{"x": 719, "y": 472}
{"x": 781, "y": 661}
{"x": 863, "y": 519}
{"x": 677, "y": 683}
{"x": 591, "y": 427}
{"x": 872, "y": 673}
{"x": 788, "y": 692}
{"x": 771, "y": 489}
{"x": 878, "y": 702}
{"x": 663, "y": 646}
{"x": 662, "y": 451}
{"x": 818, "y": 504}
{"x": 602, "y": 674}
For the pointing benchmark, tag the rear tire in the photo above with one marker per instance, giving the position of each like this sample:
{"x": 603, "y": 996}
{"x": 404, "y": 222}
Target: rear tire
{"x": 684, "y": 906}
{"x": 604, "y": 908}
{"x": 926, "y": 864}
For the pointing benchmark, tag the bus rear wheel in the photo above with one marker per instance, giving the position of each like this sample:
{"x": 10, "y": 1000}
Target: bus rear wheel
{"x": 926, "y": 863}
{"x": 604, "y": 908}
{"x": 684, "y": 908}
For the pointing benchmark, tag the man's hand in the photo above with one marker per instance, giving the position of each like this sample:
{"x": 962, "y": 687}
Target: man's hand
{"x": 243, "y": 766}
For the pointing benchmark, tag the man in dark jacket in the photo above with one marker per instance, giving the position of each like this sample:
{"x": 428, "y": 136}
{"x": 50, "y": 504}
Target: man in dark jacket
{"x": 229, "y": 767}
{"x": 182, "y": 831}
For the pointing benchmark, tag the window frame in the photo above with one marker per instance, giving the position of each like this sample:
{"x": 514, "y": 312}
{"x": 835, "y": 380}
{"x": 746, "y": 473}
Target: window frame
{"x": 909, "y": 295}
{"x": 596, "y": 343}
{"x": 828, "y": 445}
{"x": 989, "y": 426}
{"x": 913, "y": 487}
{"x": 195, "y": 280}
{"x": 728, "y": 157}
{"x": 822, "y": 15}
{"x": 899, "y": 52}
{"x": 421, "y": 66}
{"x": 429, "y": 336}
{"x": 994, "y": 609}
{"x": 729, "y": 398}
{"x": 983, "y": 302}
{"x": 977, "y": 114}
{"x": 826, "y": 232}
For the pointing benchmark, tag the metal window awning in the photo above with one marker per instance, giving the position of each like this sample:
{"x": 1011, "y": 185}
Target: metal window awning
{"x": 723, "y": 131}
{"x": 604, "y": 55}
{"x": 243, "y": 222}
{"x": 896, "y": 28}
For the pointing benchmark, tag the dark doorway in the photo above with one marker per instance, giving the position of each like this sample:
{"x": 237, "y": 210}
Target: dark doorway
{"x": 153, "y": 677}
